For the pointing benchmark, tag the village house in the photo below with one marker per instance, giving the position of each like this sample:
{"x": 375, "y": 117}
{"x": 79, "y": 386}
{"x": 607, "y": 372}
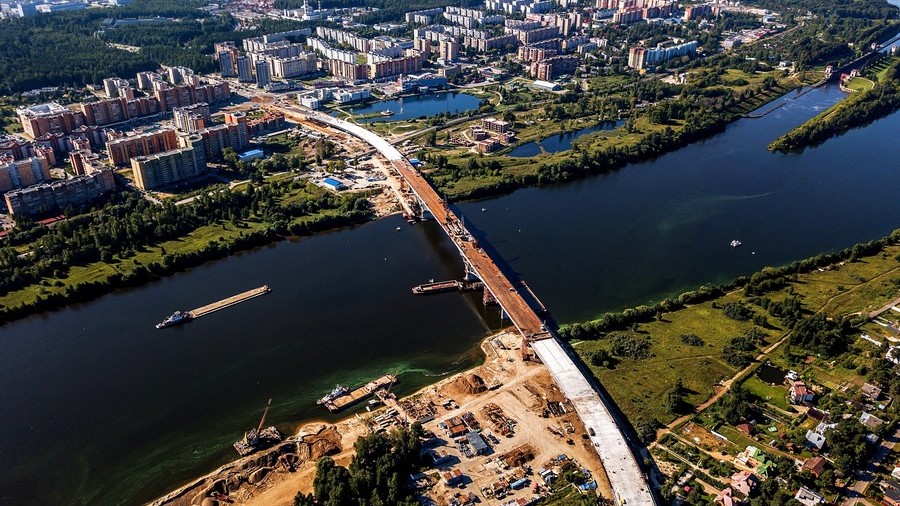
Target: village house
{"x": 808, "y": 497}
{"x": 800, "y": 393}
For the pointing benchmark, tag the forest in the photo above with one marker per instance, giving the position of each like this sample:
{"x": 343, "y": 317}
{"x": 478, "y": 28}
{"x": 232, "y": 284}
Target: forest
{"x": 70, "y": 48}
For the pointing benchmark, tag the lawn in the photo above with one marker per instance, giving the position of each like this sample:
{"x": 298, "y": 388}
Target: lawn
{"x": 859, "y": 84}
{"x": 773, "y": 394}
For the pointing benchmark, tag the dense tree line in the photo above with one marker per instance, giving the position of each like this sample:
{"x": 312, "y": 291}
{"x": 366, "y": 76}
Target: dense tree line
{"x": 131, "y": 223}
{"x": 857, "y": 110}
{"x": 377, "y": 474}
{"x": 67, "y": 48}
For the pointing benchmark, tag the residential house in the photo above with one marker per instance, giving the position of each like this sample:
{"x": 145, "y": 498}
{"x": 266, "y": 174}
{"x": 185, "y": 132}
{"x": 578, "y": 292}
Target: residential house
{"x": 869, "y": 420}
{"x": 891, "y": 497}
{"x": 743, "y": 482}
{"x": 745, "y": 429}
{"x": 800, "y": 393}
{"x": 815, "y": 439}
{"x": 871, "y": 391}
{"x": 815, "y": 465}
{"x": 808, "y": 497}
{"x": 726, "y": 498}
{"x": 453, "y": 477}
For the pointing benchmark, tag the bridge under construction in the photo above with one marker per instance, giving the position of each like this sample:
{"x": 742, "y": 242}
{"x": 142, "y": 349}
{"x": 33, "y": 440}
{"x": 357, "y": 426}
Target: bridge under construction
{"x": 519, "y": 304}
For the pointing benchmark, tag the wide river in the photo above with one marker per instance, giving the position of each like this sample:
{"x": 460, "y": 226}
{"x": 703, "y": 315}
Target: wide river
{"x": 98, "y": 407}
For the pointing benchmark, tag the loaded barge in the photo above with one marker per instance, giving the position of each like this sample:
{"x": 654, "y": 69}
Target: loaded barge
{"x": 447, "y": 286}
{"x": 341, "y": 397}
{"x": 179, "y": 317}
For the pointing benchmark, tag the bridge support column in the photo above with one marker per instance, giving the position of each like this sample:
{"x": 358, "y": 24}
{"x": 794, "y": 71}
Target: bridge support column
{"x": 470, "y": 274}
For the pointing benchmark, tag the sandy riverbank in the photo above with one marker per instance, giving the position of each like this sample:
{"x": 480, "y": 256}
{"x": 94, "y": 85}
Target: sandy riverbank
{"x": 522, "y": 390}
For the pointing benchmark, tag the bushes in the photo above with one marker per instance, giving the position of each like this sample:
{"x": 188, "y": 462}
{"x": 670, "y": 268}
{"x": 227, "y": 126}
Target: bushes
{"x": 691, "y": 339}
{"x": 737, "y": 311}
{"x": 628, "y": 346}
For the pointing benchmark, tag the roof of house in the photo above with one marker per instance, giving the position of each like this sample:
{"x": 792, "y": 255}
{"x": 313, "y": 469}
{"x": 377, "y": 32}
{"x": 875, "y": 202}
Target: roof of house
{"x": 870, "y": 390}
{"x": 808, "y": 497}
{"x": 815, "y": 465}
{"x": 816, "y": 439}
{"x": 725, "y": 497}
{"x": 870, "y": 420}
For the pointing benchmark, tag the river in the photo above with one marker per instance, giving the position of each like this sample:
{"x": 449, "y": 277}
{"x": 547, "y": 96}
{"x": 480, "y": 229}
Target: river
{"x": 101, "y": 408}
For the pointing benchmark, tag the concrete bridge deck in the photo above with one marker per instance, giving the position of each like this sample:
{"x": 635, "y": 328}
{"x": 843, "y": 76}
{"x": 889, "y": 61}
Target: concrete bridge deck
{"x": 628, "y": 481}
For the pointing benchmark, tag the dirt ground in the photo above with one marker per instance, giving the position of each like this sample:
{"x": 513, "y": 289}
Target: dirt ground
{"x": 518, "y": 389}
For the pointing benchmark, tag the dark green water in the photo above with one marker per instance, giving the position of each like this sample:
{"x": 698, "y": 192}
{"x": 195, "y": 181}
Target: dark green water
{"x": 101, "y": 408}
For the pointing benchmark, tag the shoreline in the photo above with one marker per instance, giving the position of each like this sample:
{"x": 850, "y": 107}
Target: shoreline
{"x": 350, "y": 427}
{"x": 88, "y": 291}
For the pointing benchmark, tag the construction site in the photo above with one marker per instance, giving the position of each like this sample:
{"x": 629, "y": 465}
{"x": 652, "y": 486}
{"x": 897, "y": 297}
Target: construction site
{"x": 500, "y": 433}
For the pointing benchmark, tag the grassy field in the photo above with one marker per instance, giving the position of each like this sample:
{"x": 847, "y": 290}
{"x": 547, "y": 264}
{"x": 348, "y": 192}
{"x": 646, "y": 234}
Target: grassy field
{"x": 639, "y": 387}
{"x": 859, "y": 84}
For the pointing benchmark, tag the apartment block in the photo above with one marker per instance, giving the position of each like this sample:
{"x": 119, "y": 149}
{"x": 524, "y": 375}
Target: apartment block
{"x": 51, "y": 117}
{"x": 22, "y": 173}
{"x": 166, "y": 168}
{"x": 122, "y": 150}
{"x": 75, "y": 192}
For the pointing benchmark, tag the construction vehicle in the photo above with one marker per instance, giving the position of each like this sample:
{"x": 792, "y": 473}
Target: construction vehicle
{"x": 259, "y": 438}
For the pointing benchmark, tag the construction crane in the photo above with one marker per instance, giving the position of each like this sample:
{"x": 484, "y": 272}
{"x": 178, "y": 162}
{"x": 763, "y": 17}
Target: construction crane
{"x": 262, "y": 420}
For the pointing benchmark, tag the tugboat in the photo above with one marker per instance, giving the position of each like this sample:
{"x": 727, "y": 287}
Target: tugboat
{"x": 735, "y": 243}
{"x": 177, "y": 318}
{"x": 339, "y": 390}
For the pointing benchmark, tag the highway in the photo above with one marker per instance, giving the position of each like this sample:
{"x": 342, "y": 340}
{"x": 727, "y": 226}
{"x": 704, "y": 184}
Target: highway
{"x": 628, "y": 482}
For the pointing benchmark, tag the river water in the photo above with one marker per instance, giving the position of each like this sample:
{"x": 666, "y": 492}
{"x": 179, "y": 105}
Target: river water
{"x": 101, "y": 408}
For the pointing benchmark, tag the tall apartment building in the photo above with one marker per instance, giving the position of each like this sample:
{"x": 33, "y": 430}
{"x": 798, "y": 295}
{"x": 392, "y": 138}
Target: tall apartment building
{"x": 294, "y": 66}
{"x": 217, "y": 138}
{"x": 244, "y": 72}
{"x": 22, "y": 173}
{"x": 192, "y": 118}
{"x": 171, "y": 97}
{"x": 551, "y": 68}
{"x": 423, "y": 17}
{"x": 51, "y": 117}
{"x": 227, "y": 64}
{"x": 449, "y": 49}
{"x": 122, "y": 150}
{"x": 179, "y": 75}
{"x": 104, "y": 112}
{"x": 116, "y": 87}
{"x": 16, "y": 148}
{"x": 489, "y": 44}
{"x": 162, "y": 169}
{"x": 263, "y": 77}
{"x": 75, "y": 192}
{"x": 409, "y": 64}
{"x": 538, "y": 34}
{"x": 640, "y": 57}
{"x": 145, "y": 80}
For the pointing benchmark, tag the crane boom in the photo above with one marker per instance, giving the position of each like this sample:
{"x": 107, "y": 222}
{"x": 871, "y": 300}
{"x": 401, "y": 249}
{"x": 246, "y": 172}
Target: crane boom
{"x": 263, "y": 419}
